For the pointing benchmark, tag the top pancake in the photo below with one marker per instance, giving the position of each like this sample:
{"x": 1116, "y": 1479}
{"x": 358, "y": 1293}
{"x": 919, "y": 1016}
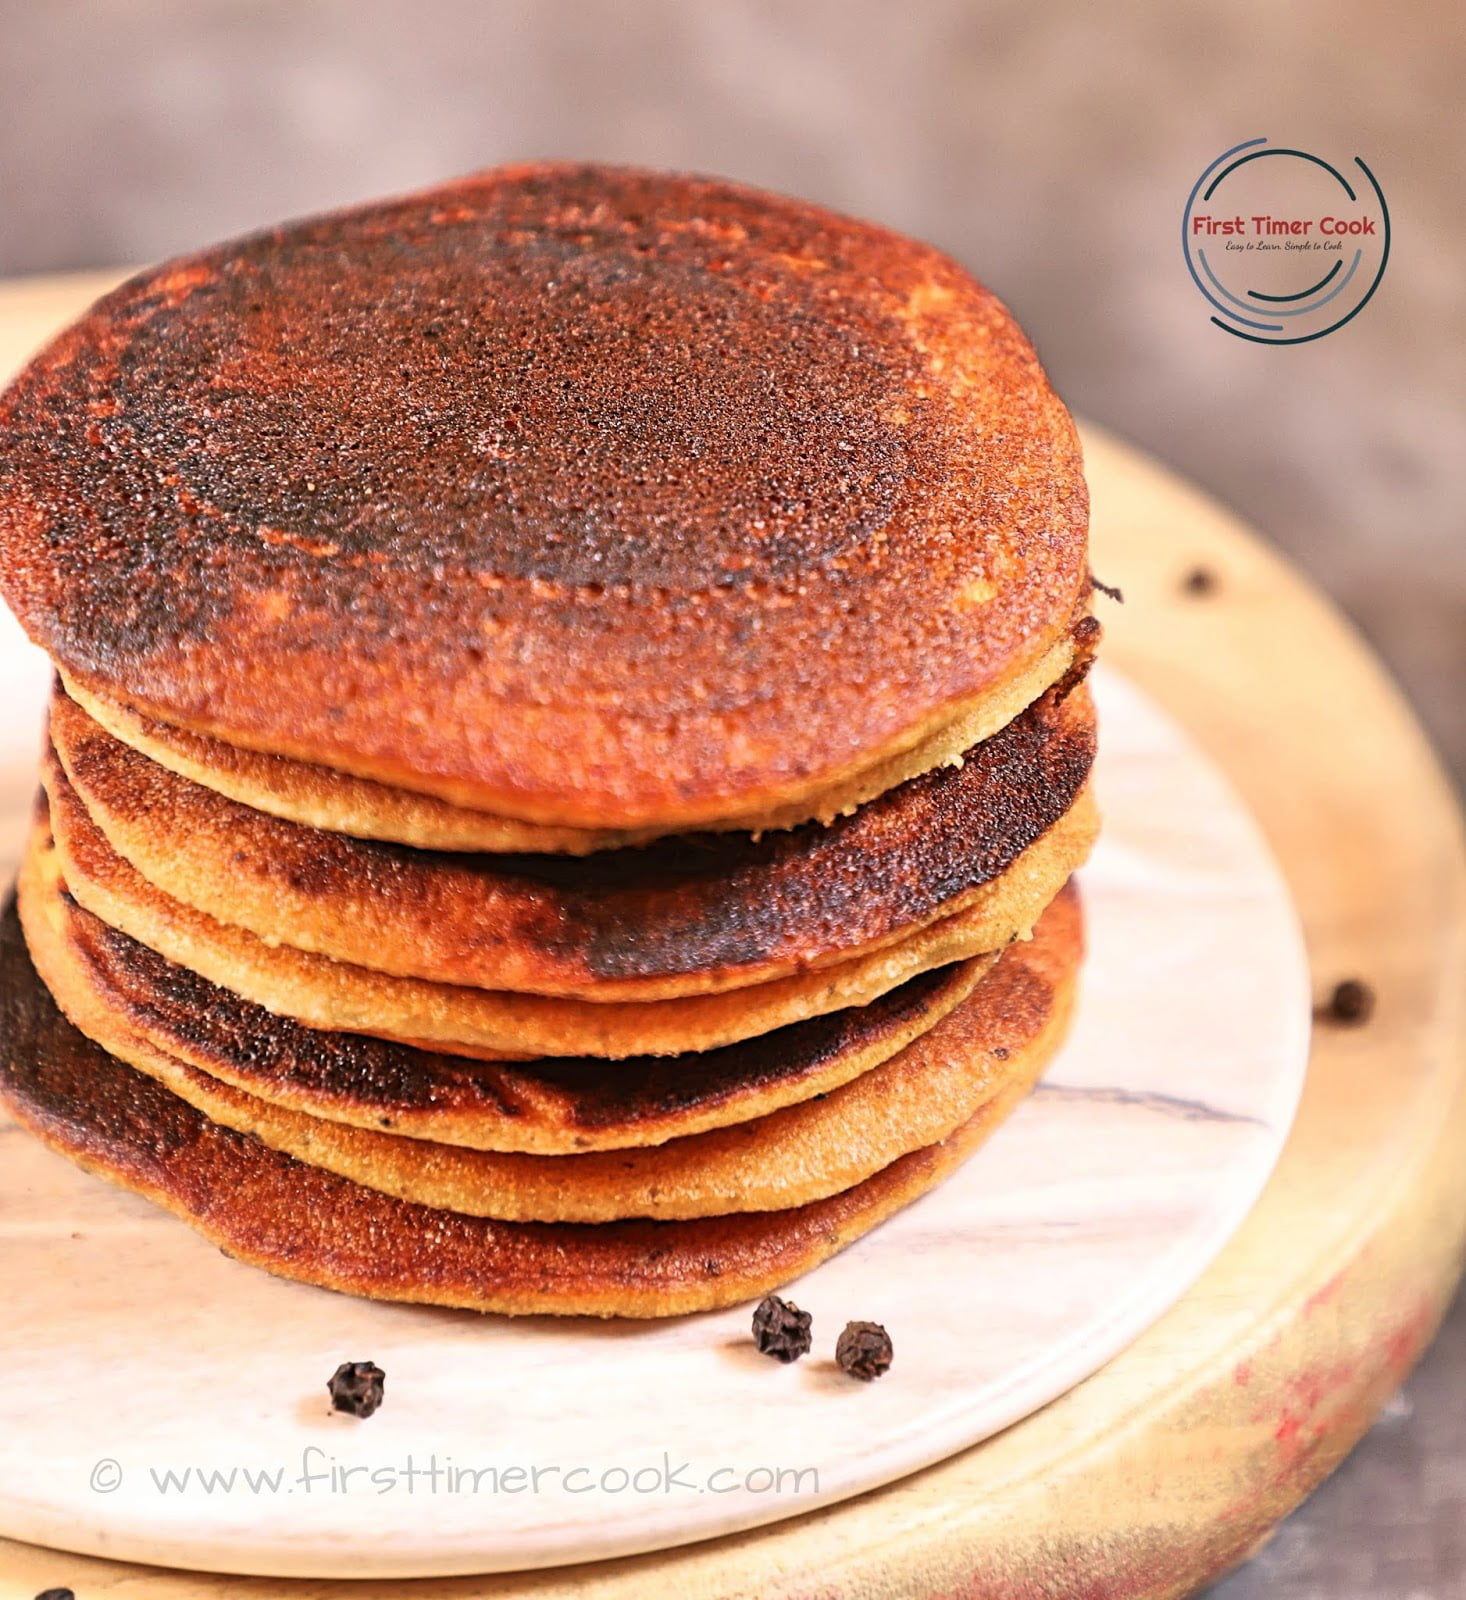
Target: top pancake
{"x": 586, "y": 496}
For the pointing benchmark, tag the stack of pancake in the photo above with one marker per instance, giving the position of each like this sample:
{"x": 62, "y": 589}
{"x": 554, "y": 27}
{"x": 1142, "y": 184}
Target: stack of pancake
{"x": 570, "y": 739}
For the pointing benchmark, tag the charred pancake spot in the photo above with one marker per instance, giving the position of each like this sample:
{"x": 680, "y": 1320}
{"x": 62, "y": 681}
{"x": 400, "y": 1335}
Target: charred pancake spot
{"x": 395, "y": 1085}
{"x": 585, "y": 416}
{"x": 55, "y": 1081}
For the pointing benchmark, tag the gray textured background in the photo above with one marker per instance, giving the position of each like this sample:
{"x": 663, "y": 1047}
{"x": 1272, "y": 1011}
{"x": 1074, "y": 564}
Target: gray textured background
{"x": 1049, "y": 147}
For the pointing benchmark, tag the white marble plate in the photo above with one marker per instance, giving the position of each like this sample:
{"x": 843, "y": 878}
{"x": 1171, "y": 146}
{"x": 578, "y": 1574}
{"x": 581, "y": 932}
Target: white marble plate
{"x": 160, "y": 1403}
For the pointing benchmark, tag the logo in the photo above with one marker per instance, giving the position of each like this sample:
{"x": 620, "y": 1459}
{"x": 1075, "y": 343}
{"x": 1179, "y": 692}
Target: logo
{"x": 1284, "y": 246}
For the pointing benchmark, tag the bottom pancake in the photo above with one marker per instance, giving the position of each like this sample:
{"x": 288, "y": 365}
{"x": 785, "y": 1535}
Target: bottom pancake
{"x": 1009, "y": 1026}
{"x": 275, "y": 1212}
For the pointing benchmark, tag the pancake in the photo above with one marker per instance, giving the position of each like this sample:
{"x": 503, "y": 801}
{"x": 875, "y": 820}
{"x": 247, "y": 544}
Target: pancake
{"x": 806, "y": 1152}
{"x": 267, "y": 1209}
{"x": 695, "y": 915}
{"x": 304, "y": 792}
{"x": 551, "y": 1107}
{"x": 586, "y": 496}
{"x": 498, "y": 1024}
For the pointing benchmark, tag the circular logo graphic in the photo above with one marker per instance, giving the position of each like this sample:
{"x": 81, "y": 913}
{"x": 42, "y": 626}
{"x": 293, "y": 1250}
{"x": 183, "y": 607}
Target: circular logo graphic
{"x": 1284, "y": 245}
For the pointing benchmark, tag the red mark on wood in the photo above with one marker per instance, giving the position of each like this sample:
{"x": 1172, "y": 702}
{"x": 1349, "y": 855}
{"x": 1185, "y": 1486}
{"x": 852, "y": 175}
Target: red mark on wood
{"x": 1321, "y": 1296}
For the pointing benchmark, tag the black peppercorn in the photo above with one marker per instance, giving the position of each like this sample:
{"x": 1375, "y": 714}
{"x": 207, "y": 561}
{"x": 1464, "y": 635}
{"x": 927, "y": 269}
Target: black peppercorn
{"x": 781, "y": 1330}
{"x": 1350, "y": 1005}
{"x": 356, "y": 1387}
{"x": 56, "y": 1594}
{"x": 864, "y": 1350}
{"x": 1199, "y": 581}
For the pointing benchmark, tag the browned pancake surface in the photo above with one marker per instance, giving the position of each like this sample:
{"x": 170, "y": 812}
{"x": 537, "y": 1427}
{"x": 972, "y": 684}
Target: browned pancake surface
{"x": 691, "y": 915}
{"x": 549, "y": 1107}
{"x": 502, "y": 1024}
{"x": 301, "y": 1222}
{"x": 579, "y": 494}
{"x": 788, "y": 1158}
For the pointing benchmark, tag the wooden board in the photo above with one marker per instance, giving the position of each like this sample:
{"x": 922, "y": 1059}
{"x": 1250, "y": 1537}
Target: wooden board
{"x": 1169, "y": 1464}
{"x": 1092, "y": 1210}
